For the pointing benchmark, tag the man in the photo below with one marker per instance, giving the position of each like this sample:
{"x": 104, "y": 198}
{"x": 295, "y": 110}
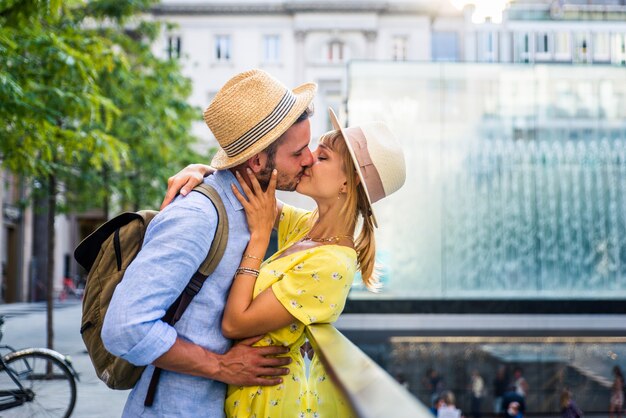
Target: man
{"x": 260, "y": 125}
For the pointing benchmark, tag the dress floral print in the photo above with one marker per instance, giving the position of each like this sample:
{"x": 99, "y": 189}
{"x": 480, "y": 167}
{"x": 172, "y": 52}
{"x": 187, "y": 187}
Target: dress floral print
{"x": 312, "y": 285}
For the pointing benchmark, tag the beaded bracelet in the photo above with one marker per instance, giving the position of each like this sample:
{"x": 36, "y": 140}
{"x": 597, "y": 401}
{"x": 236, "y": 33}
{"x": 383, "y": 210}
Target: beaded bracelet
{"x": 246, "y": 270}
{"x": 253, "y": 257}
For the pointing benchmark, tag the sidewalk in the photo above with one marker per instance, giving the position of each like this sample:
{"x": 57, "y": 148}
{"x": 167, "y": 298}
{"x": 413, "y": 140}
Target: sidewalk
{"x": 25, "y": 326}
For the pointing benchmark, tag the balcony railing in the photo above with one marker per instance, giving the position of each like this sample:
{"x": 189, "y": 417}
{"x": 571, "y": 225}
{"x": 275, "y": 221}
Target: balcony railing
{"x": 370, "y": 390}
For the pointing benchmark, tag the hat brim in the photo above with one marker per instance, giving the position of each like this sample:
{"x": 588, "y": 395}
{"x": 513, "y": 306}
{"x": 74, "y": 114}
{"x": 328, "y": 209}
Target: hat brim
{"x": 304, "y": 96}
{"x": 337, "y": 126}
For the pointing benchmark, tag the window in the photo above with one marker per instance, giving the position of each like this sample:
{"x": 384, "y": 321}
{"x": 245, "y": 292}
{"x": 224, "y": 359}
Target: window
{"x": 222, "y": 48}
{"x": 173, "y": 47}
{"x": 522, "y": 47}
{"x": 398, "y": 48}
{"x": 543, "y": 46}
{"x": 488, "y": 46}
{"x": 271, "y": 48}
{"x": 542, "y": 43}
{"x": 445, "y": 46}
{"x": 581, "y": 47}
{"x": 619, "y": 48}
{"x": 334, "y": 51}
{"x": 562, "y": 46}
{"x": 601, "y": 46}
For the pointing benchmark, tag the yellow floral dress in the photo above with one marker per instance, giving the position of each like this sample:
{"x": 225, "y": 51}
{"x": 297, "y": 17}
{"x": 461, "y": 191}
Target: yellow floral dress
{"x": 312, "y": 285}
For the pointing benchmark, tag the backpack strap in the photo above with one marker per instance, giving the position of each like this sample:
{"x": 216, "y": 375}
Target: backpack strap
{"x": 208, "y": 266}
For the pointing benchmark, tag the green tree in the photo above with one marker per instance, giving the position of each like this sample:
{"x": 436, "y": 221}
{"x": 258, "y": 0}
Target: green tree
{"x": 86, "y": 105}
{"x": 154, "y": 123}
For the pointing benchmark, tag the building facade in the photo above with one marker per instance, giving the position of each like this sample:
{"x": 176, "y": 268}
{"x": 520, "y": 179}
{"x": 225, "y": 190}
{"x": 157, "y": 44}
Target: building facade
{"x": 302, "y": 41}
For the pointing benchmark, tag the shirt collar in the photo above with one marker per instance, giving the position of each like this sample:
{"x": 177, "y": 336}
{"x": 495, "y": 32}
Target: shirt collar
{"x": 224, "y": 178}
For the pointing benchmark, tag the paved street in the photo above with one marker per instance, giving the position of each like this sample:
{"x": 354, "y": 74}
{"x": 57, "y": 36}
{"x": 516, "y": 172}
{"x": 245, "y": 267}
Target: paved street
{"x": 25, "y": 326}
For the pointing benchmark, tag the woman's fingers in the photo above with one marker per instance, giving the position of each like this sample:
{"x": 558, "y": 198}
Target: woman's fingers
{"x": 241, "y": 198}
{"x": 271, "y": 189}
{"x": 244, "y": 185}
{"x": 258, "y": 191}
{"x": 169, "y": 196}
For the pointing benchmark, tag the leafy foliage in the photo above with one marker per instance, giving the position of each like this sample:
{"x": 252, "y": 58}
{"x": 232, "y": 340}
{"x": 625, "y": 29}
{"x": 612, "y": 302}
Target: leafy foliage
{"x": 86, "y": 101}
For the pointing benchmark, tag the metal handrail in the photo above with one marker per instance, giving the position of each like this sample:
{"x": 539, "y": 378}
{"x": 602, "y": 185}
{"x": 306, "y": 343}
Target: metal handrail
{"x": 369, "y": 389}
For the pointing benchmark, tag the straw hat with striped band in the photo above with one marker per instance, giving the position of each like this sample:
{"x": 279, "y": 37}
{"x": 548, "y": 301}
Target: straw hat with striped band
{"x": 251, "y": 111}
{"x": 377, "y": 156}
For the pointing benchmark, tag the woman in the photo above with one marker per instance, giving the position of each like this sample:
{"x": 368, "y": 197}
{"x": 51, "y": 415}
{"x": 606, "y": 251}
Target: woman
{"x": 308, "y": 279}
{"x": 569, "y": 409}
{"x": 448, "y": 407}
{"x": 617, "y": 393}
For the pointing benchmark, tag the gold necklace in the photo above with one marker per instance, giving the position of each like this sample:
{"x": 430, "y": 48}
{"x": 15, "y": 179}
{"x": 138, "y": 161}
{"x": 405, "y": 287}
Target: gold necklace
{"x": 334, "y": 239}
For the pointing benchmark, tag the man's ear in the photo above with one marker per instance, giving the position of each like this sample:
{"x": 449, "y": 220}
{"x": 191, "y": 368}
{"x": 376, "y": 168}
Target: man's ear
{"x": 257, "y": 163}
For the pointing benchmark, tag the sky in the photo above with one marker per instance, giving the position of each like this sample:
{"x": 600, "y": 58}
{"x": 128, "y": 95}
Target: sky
{"x": 483, "y": 9}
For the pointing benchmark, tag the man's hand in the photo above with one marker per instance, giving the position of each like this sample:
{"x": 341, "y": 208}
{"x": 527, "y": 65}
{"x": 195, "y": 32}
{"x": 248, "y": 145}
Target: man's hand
{"x": 244, "y": 365}
{"x": 185, "y": 180}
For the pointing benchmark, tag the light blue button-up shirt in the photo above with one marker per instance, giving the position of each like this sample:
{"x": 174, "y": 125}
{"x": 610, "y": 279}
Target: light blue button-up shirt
{"x": 176, "y": 243}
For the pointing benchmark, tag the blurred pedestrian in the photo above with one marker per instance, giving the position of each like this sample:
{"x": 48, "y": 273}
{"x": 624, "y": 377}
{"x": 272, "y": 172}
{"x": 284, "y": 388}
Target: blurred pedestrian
{"x": 569, "y": 409}
{"x": 433, "y": 383}
{"x": 511, "y": 397}
{"x": 617, "y": 393}
{"x": 448, "y": 409}
{"x": 439, "y": 402}
{"x": 477, "y": 386}
{"x": 514, "y": 410}
{"x": 521, "y": 385}
{"x": 500, "y": 383}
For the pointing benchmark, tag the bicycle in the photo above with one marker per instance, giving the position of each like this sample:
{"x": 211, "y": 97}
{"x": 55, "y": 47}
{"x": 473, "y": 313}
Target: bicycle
{"x": 36, "y": 382}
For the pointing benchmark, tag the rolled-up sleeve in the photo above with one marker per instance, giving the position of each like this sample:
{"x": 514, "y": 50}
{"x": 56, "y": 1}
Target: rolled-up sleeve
{"x": 176, "y": 243}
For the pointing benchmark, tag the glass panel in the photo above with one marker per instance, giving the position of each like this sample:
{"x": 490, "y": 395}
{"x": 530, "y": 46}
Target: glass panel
{"x": 601, "y": 46}
{"x": 581, "y": 47}
{"x": 398, "y": 52}
{"x": 619, "y": 48}
{"x": 562, "y": 48}
{"x": 521, "y": 47}
{"x": 445, "y": 46}
{"x": 271, "y": 48}
{"x": 431, "y": 366}
{"x": 222, "y": 48}
{"x": 335, "y": 52}
{"x": 516, "y": 179}
{"x": 542, "y": 43}
{"x": 487, "y": 46}
{"x": 173, "y": 47}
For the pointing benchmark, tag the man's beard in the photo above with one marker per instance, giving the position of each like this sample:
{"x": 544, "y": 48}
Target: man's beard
{"x": 283, "y": 182}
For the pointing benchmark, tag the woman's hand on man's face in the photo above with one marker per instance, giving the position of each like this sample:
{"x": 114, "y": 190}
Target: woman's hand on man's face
{"x": 259, "y": 205}
{"x": 185, "y": 180}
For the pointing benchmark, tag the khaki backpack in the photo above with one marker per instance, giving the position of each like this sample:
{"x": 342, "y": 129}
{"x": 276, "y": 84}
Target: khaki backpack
{"x": 106, "y": 254}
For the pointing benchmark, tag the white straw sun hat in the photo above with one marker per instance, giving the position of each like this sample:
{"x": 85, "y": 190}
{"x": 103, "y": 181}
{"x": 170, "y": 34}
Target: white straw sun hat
{"x": 251, "y": 111}
{"x": 377, "y": 156}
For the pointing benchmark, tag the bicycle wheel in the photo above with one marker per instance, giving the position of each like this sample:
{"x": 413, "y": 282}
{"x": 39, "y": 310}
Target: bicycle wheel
{"x": 47, "y": 379}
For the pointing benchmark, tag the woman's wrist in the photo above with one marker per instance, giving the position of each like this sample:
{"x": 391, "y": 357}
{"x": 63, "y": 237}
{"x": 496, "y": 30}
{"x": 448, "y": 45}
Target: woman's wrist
{"x": 258, "y": 241}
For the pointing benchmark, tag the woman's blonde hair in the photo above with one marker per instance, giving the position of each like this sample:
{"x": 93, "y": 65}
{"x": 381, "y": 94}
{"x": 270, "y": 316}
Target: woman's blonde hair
{"x": 566, "y": 397}
{"x": 356, "y": 204}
